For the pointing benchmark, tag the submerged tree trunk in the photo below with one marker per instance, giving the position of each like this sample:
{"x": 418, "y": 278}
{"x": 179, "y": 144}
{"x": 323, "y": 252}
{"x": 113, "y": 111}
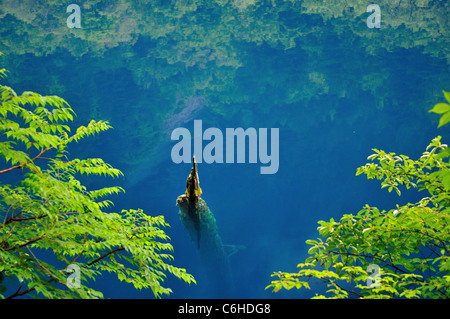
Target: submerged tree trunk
{"x": 199, "y": 222}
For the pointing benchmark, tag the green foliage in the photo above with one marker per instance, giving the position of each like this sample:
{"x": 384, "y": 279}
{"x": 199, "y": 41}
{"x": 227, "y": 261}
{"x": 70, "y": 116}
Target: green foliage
{"x": 410, "y": 244}
{"x": 444, "y": 109}
{"x": 51, "y": 222}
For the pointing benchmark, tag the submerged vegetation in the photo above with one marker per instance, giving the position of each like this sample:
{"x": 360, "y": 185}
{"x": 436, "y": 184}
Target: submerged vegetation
{"x": 56, "y": 235}
{"x": 403, "y": 252}
{"x": 169, "y": 51}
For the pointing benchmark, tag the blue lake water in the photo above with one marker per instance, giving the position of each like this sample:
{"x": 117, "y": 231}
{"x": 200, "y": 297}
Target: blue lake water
{"x": 334, "y": 88}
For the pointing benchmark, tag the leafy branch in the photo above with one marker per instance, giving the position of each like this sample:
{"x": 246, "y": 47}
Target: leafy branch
{"x": 410, "y": 244}
{"x": 49, "y": 209}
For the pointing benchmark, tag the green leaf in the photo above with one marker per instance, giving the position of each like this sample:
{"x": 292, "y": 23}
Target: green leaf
{"x": 440, "y": 108}
{"x": 444, "y": 119}
{"x": 447, "y": 96}
{"x": 444, "y": 153}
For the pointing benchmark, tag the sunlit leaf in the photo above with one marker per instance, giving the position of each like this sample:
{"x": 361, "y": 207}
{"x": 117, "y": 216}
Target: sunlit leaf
{"x": 440, "y": 108}
{"x": 444, "y": 119}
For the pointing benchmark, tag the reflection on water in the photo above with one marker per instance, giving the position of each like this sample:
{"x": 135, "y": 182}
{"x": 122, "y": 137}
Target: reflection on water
{"x": 334, "y": 87}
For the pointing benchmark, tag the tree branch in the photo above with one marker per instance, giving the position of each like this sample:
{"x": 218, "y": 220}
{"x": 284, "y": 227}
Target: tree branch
{"x": 25, "y": 164}
{"x": 104, "y": 256}
{"x": 26, "y": 243}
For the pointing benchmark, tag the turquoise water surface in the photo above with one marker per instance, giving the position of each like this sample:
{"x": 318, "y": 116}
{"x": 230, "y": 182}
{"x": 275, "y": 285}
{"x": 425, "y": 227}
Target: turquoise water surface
{"x": 333, "y": 85}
